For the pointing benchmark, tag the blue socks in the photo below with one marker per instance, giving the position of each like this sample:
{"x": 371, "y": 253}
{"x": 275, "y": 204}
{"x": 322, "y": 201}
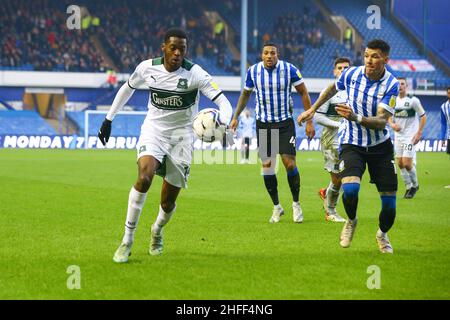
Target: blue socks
{"x": 350, "y": 199}
{"x": 388, "y": 212}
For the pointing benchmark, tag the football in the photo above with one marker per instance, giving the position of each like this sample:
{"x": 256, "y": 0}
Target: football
{"x": 207, "y": 125}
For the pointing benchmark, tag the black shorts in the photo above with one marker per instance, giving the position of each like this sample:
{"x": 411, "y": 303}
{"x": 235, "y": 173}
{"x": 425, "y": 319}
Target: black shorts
{"x": 448, "y": 146}
{"x": 379, "y": 160}
{"x": 275, "y": 137}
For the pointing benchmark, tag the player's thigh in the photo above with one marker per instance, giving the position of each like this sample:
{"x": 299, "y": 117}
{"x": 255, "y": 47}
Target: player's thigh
{"x": 150, "y": 146}
{"x": 177, "y": 172}
{"x": 264, "y": 141}
{"x": 287, "y": 138}
{"x": 399, "y": 148}
{"x": 409, "y": 149}
{"x": 331, "y": 160}
{"x": 352, "y": 162}
{"x": 382, "y": 169}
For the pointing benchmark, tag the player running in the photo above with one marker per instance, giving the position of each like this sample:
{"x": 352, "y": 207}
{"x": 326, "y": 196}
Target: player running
{"x": 364, "y": 140}
{"x": 165, "y": 143}
{"x": 275, "y": 130}
{"x": 327, "y": 116}
{"x": 408, "y": 123}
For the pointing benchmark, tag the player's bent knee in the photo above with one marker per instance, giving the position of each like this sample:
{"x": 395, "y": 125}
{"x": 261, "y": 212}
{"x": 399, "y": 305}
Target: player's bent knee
{"x": 388, "y": 202}
{"x": 351, "y": 179}
{"x": 351, "y": 190}
{"x": 168, "y": 206}
{"x": 144, "y": 181}
{"x": 267, "y": 164}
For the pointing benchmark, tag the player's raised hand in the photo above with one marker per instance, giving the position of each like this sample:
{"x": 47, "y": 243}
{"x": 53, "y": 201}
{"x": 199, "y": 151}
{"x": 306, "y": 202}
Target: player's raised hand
{"x": 233, "y": 124}
{"x": 305, "y": 116}
{"x": 346, "y": 112}
{"x": 105, "y": 131}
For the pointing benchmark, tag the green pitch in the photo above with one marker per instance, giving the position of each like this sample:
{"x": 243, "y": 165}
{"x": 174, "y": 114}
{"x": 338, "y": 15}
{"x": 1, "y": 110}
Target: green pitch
{"x": 64, "y": 208}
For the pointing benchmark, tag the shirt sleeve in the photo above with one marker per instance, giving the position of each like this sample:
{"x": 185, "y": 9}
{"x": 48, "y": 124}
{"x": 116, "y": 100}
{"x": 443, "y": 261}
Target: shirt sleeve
{"x": 205, "y": 83}
{"x": 389, "y": 99}
{"x": 249, "y": 84}
{"x": 212, "y": 91}
{"x": 418, "y": 107}
{"x": 340, "y": 83}
{"x": 137, "y": 79}
{"x": 296, "y": 76}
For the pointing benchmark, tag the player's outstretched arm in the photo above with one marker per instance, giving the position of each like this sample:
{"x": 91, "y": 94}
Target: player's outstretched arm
{"x": 242, "y": 103}
{"x": 326, "y": 95}
{"x": 122, "y": 96}
{"x": 323, "y": 120}
{"x": 306, "y": 100}
{"x": 378, "y": 122}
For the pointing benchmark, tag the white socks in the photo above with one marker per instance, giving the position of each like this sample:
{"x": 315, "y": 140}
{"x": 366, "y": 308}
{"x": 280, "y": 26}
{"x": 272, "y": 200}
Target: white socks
{"x": 410, "y": 177}
{"x": 136, "y": 202}
{"x": 162, "y": 219}
{"x": 332, "y": 197}
{"x": 406, "y": 178}
{"x": 413, "y": 176}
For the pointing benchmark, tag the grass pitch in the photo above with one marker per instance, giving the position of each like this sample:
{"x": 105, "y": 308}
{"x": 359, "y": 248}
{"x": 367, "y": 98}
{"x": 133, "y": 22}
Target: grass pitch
{"x": 67, "y": 207}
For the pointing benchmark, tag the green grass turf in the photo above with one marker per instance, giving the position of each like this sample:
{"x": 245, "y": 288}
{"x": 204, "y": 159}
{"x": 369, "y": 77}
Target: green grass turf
{"x": 67, "y": 207}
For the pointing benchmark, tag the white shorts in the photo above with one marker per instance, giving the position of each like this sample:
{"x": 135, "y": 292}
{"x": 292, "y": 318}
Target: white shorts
{"x": 404, "y": 148}
{"x": 331, "y": 157}
{"x": 175, "y": 158}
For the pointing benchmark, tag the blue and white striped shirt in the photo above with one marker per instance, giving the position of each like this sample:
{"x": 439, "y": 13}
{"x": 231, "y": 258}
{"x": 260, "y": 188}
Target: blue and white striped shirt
{"x": 445, "y": 120}
{"x": 273, "y": 89}
{"x": 365, "y": 96}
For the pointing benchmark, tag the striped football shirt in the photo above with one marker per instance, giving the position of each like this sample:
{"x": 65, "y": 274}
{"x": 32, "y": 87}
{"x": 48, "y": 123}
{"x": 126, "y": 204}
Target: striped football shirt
{"x": 364, "y": 96}
{"x": 273, "y": 89}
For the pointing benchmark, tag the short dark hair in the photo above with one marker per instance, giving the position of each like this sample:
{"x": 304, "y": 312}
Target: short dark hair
{"x": 379, "y": 44}
{"x": 270, "y": 44}
{"x": 341, "y": 60}
{"x": 401, "y": 78}
{"x": 178, "y": 33}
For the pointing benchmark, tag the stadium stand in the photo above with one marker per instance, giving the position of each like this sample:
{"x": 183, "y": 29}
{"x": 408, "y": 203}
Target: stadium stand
{"x": 401, "y": 46}
{"x": 24, "y": 122}
{"x": 34, "y": 36}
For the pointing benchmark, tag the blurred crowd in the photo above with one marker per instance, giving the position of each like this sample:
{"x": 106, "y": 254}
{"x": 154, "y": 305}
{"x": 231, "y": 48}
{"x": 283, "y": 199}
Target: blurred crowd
{"x": 35, "y": 35}
{"x": 293, "y": 32}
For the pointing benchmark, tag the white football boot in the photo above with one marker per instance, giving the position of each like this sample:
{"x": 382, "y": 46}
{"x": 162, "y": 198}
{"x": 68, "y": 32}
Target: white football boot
{"x": 333, "y": 216}
{"x": 276, "y": 214}
{"x": 122, "y": 253}
{"x": 156, "y": 242}
{"x": 383, "y": 242}
{"x": 297, "y": 214}
{"x": 347, "y": 233}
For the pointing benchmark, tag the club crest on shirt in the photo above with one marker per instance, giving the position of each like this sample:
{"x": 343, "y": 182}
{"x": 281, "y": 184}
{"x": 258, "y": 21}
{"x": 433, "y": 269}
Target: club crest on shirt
{"x": 142, "y": 149}
{"x": 392, "y": 101}
{"x": 182, "y": 84}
